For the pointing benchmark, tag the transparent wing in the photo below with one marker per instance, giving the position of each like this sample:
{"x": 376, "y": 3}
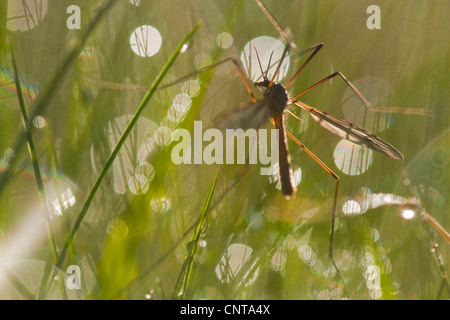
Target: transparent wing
{"x": 350, "y": 132}
{"x": 253, "y": 115}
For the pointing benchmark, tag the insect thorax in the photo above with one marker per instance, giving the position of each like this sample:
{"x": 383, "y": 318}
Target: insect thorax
{"x": 278, "y": 94}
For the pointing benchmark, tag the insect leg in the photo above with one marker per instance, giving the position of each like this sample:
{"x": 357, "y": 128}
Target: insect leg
{"x": 275, "y": 23}
{"x": 295, "y": 54}
{"x": 333, "y": 217}
{"x": 316, "y": 49}
{"x": 214, "y": 65}
{"x": 369, "y": 106}
{"x": 128, "y": 87}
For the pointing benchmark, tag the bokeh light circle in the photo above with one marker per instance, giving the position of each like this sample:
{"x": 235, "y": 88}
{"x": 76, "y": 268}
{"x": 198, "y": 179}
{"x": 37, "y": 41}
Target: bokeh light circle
{"x": 265, "y": 46}
{"x": 24, "y": 15}
{"x": 145, "y": 41}
{"x": 351, "y": 158}
{"x": 118, "y": 229}
{"x": 232, "y": 261}
{"x": 138, "y": 184}
{"x": 160, "y": 205}
{"x": 224, "y": 40}
{"x": 351, "y": 207}
{"x": 274, "y": 176}
{"x": 163, "y": 136}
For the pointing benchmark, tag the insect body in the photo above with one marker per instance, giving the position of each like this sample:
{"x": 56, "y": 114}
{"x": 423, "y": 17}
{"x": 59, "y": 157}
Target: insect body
{"x": 273, "y": 105}
{"x": 277, "y": 99}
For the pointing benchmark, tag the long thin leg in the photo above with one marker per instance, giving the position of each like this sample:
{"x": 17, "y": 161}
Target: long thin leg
{"x": 293, "y": 54}
{"x": 214, "y": 65}
{"x": 429, "y": 224}
{"x": 316, "y": 49}
{"x": 128, "y": 87}
{"x": 333, "y": 218}
{"x": 293, "y": 115}
{"x": 369, "y": 106}
{"x": 115, "y": 85}
{"x": 275, "y": 23}
{"x": 285, "y": 51}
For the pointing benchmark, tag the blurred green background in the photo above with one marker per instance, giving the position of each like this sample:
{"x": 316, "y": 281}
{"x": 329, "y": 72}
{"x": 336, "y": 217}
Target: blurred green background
{"x": 255, "y": 244}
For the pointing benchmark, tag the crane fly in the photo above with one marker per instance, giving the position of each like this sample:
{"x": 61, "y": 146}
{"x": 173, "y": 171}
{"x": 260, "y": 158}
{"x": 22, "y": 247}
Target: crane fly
{"x": 273, "y": 105}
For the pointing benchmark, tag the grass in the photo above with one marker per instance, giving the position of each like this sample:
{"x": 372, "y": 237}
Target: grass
{"x": 181, "y": 285}
{"x": 129, "y": 236}
{"x": 36, "y": 168}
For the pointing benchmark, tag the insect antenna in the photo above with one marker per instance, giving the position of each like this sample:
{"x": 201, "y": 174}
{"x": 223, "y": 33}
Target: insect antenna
{"x": 259, "y": 62}
{"x": 285, "y": 52}
{"x": 268, "y": 65}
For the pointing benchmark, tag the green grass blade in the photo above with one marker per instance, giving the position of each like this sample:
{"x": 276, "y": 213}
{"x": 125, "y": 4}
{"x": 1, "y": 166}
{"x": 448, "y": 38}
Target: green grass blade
{"x": 229, "y": 187}
{"x": 37, "y": 171}
{"x": 3, "y": 24}
{"x": 120, "y": 143}
{"x": 45, "y": 95}
{"x": 183, "y": 277}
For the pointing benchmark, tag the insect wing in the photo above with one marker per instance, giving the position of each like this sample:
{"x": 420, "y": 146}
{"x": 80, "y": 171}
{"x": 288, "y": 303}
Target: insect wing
{"x": 253, "y": 115}
{"x": 351, "y": 132}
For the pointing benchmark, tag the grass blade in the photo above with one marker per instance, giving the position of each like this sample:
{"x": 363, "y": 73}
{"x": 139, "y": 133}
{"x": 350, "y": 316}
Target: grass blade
{"x": 37, "y": 171}
{"x": 119, "y": 145}
{"x": 46, "y": 94}
{"x": 224, "y": 192}
{"x": 183, "y": 277}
